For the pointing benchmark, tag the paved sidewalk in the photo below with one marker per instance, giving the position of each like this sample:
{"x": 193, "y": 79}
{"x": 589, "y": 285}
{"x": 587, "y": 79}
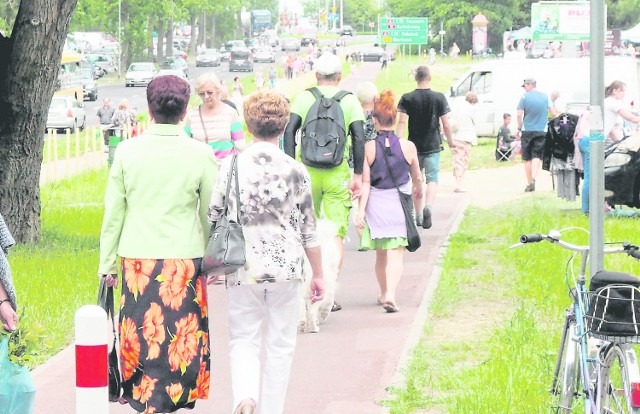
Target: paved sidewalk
{"x": 361, "y": 350}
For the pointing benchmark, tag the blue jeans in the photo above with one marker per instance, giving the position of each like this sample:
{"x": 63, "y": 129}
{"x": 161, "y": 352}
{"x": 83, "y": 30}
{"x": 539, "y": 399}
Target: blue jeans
{"x": 583, "y": 144}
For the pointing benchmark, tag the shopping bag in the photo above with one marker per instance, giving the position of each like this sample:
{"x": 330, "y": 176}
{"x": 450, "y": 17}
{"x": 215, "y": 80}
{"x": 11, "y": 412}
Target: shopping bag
{"x": 17, "y": 392}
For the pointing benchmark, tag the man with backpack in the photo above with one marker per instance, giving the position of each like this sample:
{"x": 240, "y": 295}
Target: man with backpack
{"x": 325, "y": 115}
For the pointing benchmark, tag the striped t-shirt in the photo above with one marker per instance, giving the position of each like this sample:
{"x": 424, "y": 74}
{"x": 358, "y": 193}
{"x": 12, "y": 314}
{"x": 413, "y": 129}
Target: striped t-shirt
{"x": 223, "y": 130}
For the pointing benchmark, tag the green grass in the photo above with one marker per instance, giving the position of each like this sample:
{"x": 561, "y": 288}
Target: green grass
{"x": 57, "y": 276}
{"x": 504, "y": 365}
{"x": 57, "y": 147}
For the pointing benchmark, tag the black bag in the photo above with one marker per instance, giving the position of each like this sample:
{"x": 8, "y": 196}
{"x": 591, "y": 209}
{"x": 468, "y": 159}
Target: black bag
{"x": 614, "y": 304}
{"x": 105, "y": 300}
{"x": 406, "y": 200}
{"x": 226, "y": 247}
{"x": 324, "y": 134}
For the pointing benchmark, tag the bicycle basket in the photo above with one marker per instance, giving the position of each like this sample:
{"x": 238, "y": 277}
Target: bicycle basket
{"x": 614, "y": 306}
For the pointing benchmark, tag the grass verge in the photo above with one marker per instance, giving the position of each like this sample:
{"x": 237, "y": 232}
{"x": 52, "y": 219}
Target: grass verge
{"x": 490, "y": 342}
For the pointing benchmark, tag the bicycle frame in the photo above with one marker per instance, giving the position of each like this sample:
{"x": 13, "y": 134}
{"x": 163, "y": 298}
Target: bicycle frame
{"x": 578, "y": 310}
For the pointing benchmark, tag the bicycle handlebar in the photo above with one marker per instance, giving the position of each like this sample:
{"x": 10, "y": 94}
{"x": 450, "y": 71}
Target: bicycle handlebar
{"x": 554, "y": 237}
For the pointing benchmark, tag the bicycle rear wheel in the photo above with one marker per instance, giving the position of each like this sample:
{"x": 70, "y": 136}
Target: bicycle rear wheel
{"x": 565, "y": 382}
{"x": 619, "y": 369}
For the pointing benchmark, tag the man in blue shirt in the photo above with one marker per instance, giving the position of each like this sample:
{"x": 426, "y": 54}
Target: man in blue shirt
{"x": 533, "y": 109}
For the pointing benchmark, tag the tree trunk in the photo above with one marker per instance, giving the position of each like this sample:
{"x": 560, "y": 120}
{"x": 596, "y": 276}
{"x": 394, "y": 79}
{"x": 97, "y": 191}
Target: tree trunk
{"x": 202, "y": 29}
{"x": 170, "y": 38}
{"x": 212, "y": 29}
{"x": 28, "y": 74}
{"x": 160, "y": 45}
{"x": 150, "y": 38}
{"x": 193, "y": 44}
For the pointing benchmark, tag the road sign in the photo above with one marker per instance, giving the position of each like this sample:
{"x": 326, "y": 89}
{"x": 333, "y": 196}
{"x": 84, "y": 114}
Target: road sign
{"x": 404, "y": 30}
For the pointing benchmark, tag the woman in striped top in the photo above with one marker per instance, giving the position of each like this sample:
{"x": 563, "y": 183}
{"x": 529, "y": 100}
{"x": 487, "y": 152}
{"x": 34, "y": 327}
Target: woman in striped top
{"x": 214, "y": 122}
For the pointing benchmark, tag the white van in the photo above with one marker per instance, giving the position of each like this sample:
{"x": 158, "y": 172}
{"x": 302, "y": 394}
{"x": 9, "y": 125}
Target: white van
{"x": 498, "y": 84}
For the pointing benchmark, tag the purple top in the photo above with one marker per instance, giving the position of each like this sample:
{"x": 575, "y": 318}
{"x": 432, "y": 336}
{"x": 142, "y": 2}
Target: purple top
{"x": 398, "y": 164}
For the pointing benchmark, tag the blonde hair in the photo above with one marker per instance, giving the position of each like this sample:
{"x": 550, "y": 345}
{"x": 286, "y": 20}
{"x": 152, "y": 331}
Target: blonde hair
{"x": 366, "y": 92}
{"x": 471, "y": 97}
{"x": 123, "y": 104}
{"x": 266, "y": 114}
{"x": 208, "y": 77}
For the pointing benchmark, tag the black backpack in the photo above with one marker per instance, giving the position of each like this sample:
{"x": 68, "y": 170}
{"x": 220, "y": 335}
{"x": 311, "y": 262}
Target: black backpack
{"x": 324, "y": 134}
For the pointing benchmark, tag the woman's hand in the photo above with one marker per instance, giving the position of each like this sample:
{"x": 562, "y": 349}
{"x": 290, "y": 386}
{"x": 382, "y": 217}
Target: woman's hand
{"x": 360, "y": 220}
{"x": 212, "y": 279}
{"x": 417, "y": 191}
{"x": 316, "y": 289}
{"x": 112, "y": 279}
{"x": 8, "y": 316}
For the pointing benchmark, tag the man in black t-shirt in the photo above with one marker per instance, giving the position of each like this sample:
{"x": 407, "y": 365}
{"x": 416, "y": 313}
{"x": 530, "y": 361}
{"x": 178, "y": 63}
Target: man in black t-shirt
{"x": 425, "y": 110}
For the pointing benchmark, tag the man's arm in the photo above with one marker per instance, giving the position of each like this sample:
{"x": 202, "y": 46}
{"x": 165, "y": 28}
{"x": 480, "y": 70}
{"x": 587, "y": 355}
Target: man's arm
{"x": 295, "y": 121}
{"x": 520, "y": 120}
{"x": 356, "y": 130}
{"x": 446, "y": 128}
{"x": 402, "y": 123}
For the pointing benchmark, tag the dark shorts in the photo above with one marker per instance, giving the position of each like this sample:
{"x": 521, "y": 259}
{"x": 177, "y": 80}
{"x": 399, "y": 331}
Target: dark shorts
{"x": 532, "y": 144}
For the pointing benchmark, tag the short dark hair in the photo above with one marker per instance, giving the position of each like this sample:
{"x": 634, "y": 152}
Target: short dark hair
{"x": 422, "y": 73}
{"x": 506, "y": 115}
{"x": 168, "y": 97}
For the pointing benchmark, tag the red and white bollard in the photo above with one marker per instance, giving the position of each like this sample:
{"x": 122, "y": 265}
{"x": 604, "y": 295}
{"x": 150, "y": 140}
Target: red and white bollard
{"x": 92, "y": 369}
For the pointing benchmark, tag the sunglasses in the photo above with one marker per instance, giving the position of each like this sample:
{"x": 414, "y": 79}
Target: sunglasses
{"x": 206, "y": 93}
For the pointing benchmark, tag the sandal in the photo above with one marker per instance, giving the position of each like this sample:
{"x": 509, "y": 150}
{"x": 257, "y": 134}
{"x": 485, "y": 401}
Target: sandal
{"x": 379, "y": 301}
{"x": 336, "y": 307}
{"x": 390, "y": 307}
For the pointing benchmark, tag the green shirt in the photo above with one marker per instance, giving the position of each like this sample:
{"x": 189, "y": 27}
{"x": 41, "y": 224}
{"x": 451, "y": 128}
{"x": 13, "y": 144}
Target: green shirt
{"x": 157, "y": 198}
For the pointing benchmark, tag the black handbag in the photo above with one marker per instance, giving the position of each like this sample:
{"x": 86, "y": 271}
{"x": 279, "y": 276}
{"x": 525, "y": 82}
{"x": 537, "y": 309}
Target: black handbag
{"x": 413, "y": 238}
{"x": 105, "y": 300}
{"x": 225, "y": 251}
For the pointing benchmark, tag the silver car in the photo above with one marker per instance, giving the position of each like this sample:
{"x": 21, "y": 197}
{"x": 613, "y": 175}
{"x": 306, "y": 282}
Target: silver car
{"x": 264, "y": 54}
{"x": 66, "y": 112}
{"x": 139, "y": 74}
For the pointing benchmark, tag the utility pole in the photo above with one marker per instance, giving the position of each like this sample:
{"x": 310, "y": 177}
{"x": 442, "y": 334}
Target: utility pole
{"x": 119, "y": 39}
{"x": 342, "y": 14}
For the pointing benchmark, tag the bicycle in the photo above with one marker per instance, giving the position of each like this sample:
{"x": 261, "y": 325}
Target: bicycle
{"x": 596, "y": 361}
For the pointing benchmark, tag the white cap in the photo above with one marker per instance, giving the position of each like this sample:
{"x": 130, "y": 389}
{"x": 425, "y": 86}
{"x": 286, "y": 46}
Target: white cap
{"x": 328, "y": 64}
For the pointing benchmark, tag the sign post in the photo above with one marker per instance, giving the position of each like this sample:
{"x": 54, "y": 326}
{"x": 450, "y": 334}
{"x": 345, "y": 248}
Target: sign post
{"x": 403, "y": 30}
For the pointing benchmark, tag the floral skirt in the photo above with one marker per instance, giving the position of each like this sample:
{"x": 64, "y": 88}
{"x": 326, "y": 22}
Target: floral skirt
{"x": 164, "y": 334}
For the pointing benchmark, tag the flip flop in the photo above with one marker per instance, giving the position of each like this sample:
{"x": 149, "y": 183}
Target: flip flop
{"x": 379, "y": 302}
{"x": 390, "y": 307}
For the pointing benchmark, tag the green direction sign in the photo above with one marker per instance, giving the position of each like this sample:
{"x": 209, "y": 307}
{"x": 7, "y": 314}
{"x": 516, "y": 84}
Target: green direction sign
{"x": 404, "y": 30}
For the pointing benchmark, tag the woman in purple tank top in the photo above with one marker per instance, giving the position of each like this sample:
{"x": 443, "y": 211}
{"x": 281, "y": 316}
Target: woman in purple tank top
{"x": 380, "y": 216}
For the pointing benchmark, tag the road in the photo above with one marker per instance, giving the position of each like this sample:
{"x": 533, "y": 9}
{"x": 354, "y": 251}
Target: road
{"x": 137, "y": 95}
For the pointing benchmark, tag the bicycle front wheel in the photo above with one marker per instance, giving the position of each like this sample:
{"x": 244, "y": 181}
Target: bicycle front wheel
{"x": 565, "y": 382}
{"x": 619, "y": 369}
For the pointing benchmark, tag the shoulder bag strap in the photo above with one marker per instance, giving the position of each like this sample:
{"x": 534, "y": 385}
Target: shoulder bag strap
{"x": 234, "y": 171}
{"x": 225, "y": 207}
{"x": 206, "y": 136}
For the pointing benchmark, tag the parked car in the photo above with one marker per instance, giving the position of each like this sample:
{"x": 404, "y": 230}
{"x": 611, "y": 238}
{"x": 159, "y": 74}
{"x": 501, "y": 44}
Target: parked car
{"x": 290, "y": 45}
{"x": 95, "y": 69}
{"x": 89, "y": 85}
{"x": 347, "y": 30}
{"x": 252, "y": 44}
{"x": 176, "y": 63}
{"x": 232, "y": 44}
{"x": 208, "y": 57}
{"x": 264, "y": 54}
{"x": 66, "y": 112}
{"x": 241, "y": 59}
{"x": 308, "y": 40}
{"x": 374, "y": 54}
{"x": 105, "y": 62}
{"x": 175, "y": 72}
{"x": 622, "y": 173}
{"x": 139, "y": 74}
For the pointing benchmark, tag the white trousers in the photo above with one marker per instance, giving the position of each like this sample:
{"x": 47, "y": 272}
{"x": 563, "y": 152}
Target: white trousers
{"x": 262, "y": 313}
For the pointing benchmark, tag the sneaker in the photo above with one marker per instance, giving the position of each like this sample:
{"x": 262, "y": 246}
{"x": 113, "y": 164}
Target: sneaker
{"x": 336, "y": 307}
{"x": 419, "y": 220}
{"x": 531, "y": 187}
{"x": 426, "y": 218}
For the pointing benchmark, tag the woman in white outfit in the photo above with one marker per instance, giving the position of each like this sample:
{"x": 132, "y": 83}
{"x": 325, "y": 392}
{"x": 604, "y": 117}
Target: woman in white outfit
{"x": 278, "y": 224}
{"x": 615, "y": 112}
{"x": 464, "y": 132}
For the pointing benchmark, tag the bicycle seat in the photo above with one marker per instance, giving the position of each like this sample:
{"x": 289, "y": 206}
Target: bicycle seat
{"x": 604, "y": 278}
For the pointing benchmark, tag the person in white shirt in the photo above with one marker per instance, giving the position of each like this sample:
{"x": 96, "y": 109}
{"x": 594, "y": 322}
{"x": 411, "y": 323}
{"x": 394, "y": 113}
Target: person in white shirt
{"x": 615, "y": 112}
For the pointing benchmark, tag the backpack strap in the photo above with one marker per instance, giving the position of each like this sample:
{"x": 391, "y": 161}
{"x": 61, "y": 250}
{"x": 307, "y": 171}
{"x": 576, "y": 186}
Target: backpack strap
{"x": 315, "y": 92}
{"x": 338, "y": 96}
